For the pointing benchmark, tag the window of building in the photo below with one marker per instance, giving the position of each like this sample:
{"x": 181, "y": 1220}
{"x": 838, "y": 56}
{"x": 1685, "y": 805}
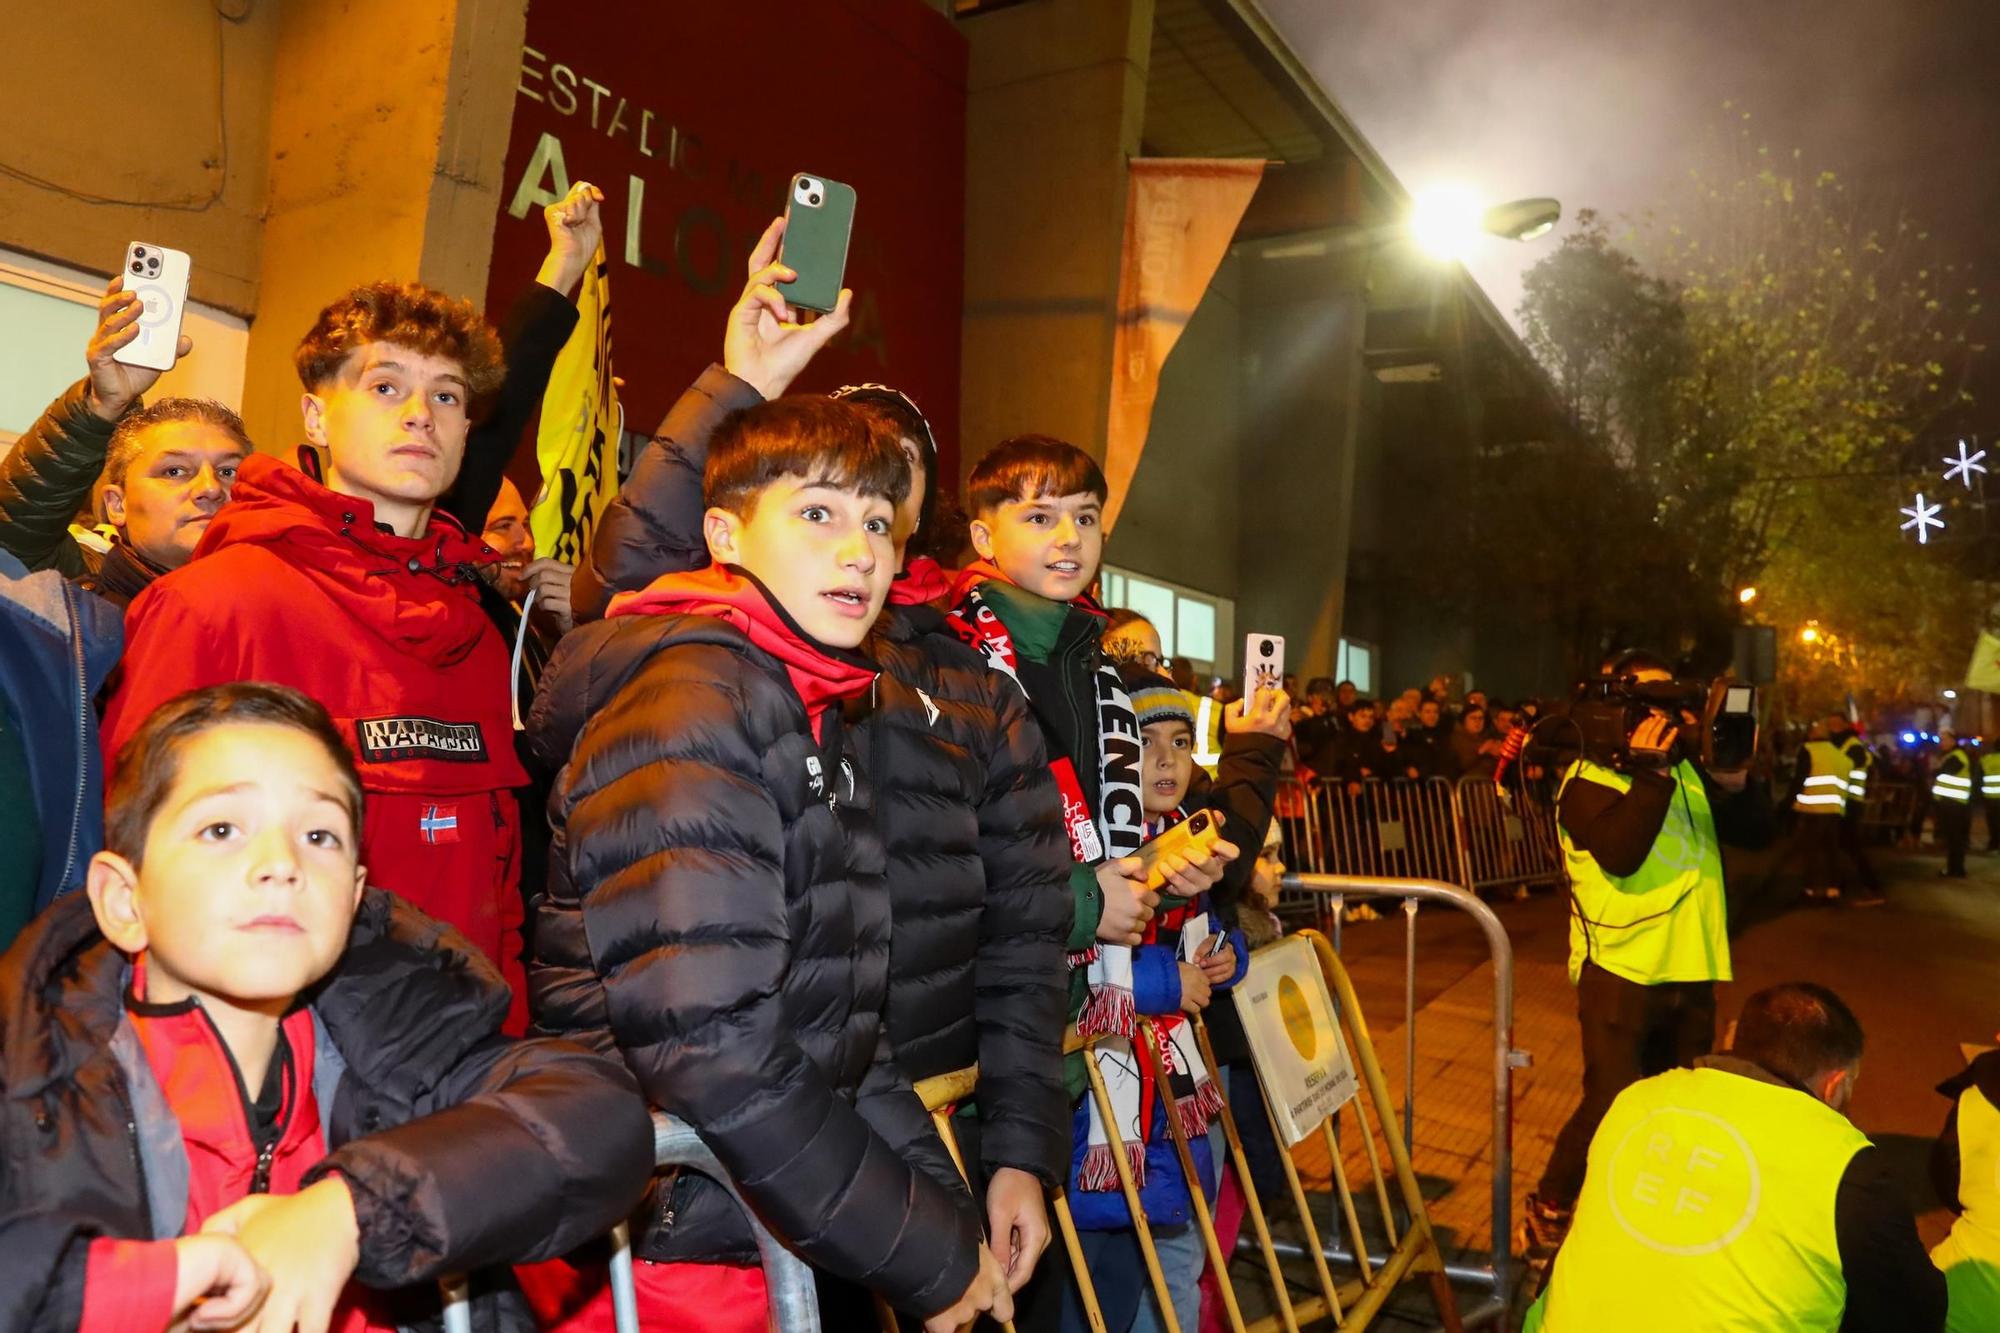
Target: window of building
{"x": 1193, "y": 625}
{"x": 47, "y": 312}
{"x": 1357, "y": 663}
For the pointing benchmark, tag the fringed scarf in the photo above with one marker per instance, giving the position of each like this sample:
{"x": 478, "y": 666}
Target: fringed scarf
{"x": 1093, "y": 837}
{"x": 1191, "y": 1098}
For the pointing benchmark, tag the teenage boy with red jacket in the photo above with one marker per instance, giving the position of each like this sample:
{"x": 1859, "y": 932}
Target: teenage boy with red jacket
{"x": 361, "y": 594}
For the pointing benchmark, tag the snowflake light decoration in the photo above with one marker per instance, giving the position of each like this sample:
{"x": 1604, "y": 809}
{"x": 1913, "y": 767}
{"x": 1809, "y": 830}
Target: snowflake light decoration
{"x": 1923, "y": 517}
{"x": 1964, "y": 465}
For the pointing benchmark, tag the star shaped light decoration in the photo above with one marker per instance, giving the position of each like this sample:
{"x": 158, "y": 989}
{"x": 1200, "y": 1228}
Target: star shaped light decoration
{"x": 1963, "y": 466}
{"x": 1923, "y": 517}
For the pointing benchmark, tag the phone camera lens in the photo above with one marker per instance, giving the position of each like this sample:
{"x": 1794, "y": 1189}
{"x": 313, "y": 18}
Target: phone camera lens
{"x": 813, "y": 199}
{"x": 138, "y": 267}
{"x": 138, "y": 252}
{"x": 1267, "y": 647}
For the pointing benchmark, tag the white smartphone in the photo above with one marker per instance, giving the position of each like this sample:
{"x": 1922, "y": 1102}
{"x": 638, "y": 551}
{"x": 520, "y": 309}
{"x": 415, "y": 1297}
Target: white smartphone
{"x": 1263, "y": 664}
{"x": 159, "y": 278}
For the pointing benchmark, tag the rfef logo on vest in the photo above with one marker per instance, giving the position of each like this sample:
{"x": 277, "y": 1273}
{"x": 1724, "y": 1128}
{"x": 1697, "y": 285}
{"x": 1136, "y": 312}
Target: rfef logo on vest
{"x": 1683, "y": 1182}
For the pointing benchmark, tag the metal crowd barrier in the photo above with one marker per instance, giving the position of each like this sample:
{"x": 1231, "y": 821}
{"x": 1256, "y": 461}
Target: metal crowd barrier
{"x": 1332, "y": 891}
{"x": 1353, "y": 1304}
{"x": 788, "y": 1279}
{"x": 1461, "y": 833}
{"x": 1890, "y": 807}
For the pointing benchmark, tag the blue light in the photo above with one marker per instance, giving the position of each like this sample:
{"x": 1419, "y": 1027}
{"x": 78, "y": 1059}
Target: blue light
{"x": 1909, "y": 738}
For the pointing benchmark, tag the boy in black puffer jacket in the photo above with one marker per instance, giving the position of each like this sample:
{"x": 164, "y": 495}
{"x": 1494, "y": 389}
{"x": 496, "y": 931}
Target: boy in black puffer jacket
{"x": 977, "y": 865}
{"x": 230, "y": 1036}
{"x": 715, "y": 907}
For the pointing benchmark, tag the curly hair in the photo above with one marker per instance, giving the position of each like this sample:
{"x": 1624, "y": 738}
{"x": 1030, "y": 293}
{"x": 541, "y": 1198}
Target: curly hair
{"x": 407, "y": 314}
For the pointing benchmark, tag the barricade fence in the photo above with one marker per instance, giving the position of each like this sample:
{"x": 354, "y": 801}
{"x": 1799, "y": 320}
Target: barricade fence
{"x": 1471, "y": 833}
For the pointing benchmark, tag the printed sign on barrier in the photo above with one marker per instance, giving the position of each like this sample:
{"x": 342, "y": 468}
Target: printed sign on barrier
{"x": 1294, "y": 1038}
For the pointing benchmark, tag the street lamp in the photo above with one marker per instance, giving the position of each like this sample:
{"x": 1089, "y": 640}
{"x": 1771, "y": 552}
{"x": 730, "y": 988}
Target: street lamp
{"x": 1746, "y": 595}
{"x": 1951, "y": 694}
{"x": 1446, "y": 219}
{"x": 1810, "y": 634}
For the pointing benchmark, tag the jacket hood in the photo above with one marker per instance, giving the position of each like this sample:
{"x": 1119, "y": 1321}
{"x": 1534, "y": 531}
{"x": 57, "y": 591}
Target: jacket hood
{"x": 593, "y": 662}
{"x": 821, "y": 674}
{"x": 923, "y": 580}
{"x": 418, "y": 593}
{"x": 409, "y": 994}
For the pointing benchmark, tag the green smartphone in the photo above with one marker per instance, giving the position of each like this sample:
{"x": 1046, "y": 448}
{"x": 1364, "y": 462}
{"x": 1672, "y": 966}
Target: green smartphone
{"x": 819, "y": 215}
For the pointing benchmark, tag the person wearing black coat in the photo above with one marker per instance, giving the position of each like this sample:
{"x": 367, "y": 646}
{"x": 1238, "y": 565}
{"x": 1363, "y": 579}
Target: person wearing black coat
{"x": 420, "y": 1097}
{"x": 715, "y": 913}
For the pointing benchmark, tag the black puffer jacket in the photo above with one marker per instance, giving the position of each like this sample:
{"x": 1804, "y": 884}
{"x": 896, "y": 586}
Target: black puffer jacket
{"x": 978, "y": 862}
{"x": 978, "y": 868}
{"x": 724, "y": 925}
{"x": 462, "y": 1148}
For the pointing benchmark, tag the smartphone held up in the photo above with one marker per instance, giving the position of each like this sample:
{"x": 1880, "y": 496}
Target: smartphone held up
{"x": 158, "y": 276}
{"x": 819, "y": 217}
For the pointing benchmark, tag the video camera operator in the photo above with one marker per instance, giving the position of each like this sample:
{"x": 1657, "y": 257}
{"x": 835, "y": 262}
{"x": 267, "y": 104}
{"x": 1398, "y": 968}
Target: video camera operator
{"x": 1642, "y": 821}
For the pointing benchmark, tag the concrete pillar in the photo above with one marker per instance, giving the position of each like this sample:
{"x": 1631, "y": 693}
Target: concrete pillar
{"x": 388, "y": 126}
{"x": 1054, "y": 109}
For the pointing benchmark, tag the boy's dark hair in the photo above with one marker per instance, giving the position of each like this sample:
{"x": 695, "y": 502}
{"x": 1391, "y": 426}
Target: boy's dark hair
{"x": 125, "y": 441}
{"x": 1798, "y": 1031}
{"x": 408, "y": 314}
{"x": 1320, "y": 685}
{"x": 1363, "y": 704}
{"x": 1032, "y": 467}
{"x": 824, "y": 441}
{"x": 149, "y": 763}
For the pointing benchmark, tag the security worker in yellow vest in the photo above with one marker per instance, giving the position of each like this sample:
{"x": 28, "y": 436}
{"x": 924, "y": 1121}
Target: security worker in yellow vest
{"x": 1648, "y": 925}
{"x": 1737, "y": 1195}
{"x": 1965, "y": 1167}
{"x": 1853, "y": 847}
{"x": 1953, "y": 787}
{"x": 1989, "y": 787}
{"x": 1819, "y": 802}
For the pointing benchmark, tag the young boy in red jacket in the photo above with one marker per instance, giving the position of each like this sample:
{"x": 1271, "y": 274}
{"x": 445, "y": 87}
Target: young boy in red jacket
{"x": 361, "y": 594}
{"x": 230, "y": 1037}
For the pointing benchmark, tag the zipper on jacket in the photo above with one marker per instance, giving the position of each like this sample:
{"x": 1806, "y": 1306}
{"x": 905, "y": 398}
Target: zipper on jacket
{"x": 82, "y": 712}
{"x": 267, "y": 1147}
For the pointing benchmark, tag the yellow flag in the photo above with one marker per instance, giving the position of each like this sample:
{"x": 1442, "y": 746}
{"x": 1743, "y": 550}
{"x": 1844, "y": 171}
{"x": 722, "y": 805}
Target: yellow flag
{"x": 577, "y": 443}
{"x": 1984, "y": 673}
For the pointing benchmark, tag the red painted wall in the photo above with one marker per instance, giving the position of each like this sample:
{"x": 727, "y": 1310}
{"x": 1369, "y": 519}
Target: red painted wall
{"x": 710, "y": 108}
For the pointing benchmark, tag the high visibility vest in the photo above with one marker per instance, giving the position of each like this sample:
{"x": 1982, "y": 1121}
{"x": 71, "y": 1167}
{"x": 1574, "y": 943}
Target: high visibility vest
{"x": 1668, "y": 920}
{"x": 1970, "y": 1255}
{"x": 1954, "y": 780}
{"x": 1861, "y": 762}
{"x": 1708, "y": 1204}
{"x": 1989, "y": 773}
{"x": 1207, "y": 733}
{"x": 1825, "y": 789}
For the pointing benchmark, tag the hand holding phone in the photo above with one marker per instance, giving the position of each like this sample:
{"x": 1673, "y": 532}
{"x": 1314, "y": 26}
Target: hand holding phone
{"x": 158, "y": 279}
{"x": 1197, "y": 834}
{"x": 764, "y": 344}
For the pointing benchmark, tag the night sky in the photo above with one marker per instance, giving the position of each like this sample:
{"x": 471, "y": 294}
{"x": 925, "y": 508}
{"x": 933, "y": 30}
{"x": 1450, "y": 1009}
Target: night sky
{"x": 1608, "y": 103}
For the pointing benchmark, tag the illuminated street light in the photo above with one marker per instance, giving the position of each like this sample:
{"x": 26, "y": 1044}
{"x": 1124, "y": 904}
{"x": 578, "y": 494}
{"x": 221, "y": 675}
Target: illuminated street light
{"x": 1746, "y": 595}
{"x": 1810, "y": 634}
{"x": 1446, "y": 219}
{"x": 1951, "y": 694}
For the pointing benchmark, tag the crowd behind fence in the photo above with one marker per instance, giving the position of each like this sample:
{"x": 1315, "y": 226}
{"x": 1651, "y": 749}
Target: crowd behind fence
{"x": 1472, "y": 833}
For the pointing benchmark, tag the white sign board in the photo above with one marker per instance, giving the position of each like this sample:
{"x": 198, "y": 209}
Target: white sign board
{"x": 1294, "y": 1038}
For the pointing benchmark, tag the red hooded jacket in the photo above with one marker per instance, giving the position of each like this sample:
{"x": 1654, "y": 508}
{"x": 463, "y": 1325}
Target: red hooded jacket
{"x": 296, "y": 585}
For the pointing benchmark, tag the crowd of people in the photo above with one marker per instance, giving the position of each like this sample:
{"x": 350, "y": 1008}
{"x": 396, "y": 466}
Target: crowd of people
{"x": 368, "y": 879}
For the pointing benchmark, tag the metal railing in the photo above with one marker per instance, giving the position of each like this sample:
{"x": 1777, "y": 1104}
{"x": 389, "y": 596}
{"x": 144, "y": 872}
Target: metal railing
{"x": 1332, "y": 891}
{"x": 1465, "y": 833}
{"x": 788, "y": 1279}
